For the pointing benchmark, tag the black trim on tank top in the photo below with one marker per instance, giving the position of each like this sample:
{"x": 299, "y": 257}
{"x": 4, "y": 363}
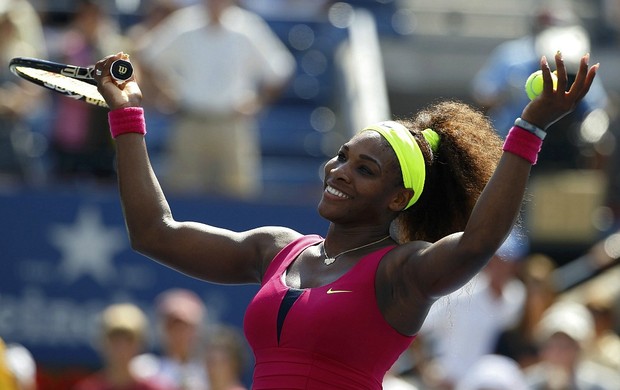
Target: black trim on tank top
{"x": 290, "y": 297}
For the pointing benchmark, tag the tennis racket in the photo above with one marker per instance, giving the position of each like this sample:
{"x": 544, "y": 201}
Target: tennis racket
{"x": 75, "y": 82}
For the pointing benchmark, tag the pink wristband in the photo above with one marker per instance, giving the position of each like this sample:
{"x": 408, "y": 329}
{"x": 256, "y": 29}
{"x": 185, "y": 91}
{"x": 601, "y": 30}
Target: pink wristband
{"x": 127, "y": 120}
{"x": 523, "y": 143}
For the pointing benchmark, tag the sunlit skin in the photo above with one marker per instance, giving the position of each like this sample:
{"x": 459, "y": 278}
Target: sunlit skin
{"x": 410, "y": 278}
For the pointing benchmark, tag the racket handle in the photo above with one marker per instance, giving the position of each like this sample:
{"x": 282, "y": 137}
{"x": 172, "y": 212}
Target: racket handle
{"x": 121, "y": 70}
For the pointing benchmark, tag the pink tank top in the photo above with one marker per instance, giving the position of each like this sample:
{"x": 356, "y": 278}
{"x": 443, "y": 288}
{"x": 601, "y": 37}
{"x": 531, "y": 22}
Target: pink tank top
{"x": 328, "y": 337}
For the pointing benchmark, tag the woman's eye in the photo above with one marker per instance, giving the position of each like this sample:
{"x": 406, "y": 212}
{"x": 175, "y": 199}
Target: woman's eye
{"x": 340, "y": 156}
{"x": 365, "y": 170}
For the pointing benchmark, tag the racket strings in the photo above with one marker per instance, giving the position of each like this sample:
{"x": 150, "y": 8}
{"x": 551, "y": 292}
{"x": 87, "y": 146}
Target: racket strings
{"x": 63, "y": 84}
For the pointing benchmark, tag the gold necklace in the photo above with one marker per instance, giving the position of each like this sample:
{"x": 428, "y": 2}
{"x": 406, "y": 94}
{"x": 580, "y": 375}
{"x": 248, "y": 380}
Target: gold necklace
{"x": 329, "y": 260}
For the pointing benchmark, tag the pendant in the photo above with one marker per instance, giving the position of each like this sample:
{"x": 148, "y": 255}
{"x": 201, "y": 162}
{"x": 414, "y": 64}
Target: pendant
{"x": 329, "y": 260}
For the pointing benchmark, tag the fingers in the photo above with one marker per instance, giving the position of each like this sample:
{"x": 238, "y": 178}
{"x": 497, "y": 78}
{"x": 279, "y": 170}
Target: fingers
{"x": 583, "y": 79}
{"x": 102, "y": 67}
{"x": 588, "y": 81}
{"x": 561, "y": 72}
{"x": 578, "y": 89}
{"x": 580, "y": 77}
{"x": 546, "y": 73}
{"x": 116, "y": 94}
{"x": 552, "y": 104}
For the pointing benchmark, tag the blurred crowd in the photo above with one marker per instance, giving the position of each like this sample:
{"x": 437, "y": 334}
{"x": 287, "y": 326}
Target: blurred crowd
{"x": 210, "y": 66}
{"x": 517, "y": 326}
{"x": 191, "y": 353}
{"x": 206, "y": 65}
{"x": 215, "y": 64}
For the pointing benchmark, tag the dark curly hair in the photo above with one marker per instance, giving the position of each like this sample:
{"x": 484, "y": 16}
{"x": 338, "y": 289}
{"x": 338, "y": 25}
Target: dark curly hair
{"x": 456, "y": 174}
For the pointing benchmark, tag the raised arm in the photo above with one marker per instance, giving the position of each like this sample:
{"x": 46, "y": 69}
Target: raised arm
{"x": 448, "y": 264}
{"x": 199, "y": 250}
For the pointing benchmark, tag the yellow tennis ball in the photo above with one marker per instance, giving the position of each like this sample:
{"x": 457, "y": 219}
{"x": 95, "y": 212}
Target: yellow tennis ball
{"x": 534, "y": 84}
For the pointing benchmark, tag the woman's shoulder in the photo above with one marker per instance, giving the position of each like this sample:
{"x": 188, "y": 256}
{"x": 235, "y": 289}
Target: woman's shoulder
{"x": 406, "y": 251}
{"x": 401, "y": 262}
{"x": 274, "y": 239}
{"x": 277, "y": 237}
{"x": 286, "y": 238}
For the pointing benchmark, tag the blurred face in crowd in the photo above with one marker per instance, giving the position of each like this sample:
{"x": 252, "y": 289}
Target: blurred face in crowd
{"x": 179, "y": 336}
{"x": 7, "y": 28}
{"x": 119, "y": 347}
{"x": 560, "y": 350}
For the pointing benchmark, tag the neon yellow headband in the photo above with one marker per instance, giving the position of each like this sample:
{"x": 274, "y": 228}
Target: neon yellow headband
{"x": 408, "y": 152}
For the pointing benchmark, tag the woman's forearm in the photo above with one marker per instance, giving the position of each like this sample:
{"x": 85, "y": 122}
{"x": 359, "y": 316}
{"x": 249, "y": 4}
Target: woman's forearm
{"x": 498, "y": 206}
{"x": 144, "y": 205}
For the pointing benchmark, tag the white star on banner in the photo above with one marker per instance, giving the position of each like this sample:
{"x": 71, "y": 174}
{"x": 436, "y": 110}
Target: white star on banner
{"x": 88, "y": 247}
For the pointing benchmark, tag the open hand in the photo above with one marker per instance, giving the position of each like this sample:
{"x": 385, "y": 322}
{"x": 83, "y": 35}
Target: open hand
{"x": 552, "y": 104}
{"x": 125, "y": 94}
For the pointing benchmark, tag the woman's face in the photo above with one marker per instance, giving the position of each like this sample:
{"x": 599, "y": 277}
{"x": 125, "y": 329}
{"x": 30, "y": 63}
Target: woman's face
{"x": 360, "y": 181}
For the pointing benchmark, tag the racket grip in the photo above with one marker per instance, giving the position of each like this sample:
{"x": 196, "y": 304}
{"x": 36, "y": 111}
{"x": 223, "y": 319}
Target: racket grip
{"x": 121, "y": 70}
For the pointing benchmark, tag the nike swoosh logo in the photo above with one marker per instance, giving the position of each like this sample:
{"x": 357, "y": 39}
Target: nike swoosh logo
{"x": 330, "y": 291}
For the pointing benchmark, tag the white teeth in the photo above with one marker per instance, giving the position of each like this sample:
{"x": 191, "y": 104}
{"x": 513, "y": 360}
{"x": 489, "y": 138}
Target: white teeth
{"x": 337, "y": 193}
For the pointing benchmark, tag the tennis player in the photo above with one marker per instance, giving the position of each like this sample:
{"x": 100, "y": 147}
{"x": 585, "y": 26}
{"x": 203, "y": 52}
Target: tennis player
{"x": 416, "y": 208}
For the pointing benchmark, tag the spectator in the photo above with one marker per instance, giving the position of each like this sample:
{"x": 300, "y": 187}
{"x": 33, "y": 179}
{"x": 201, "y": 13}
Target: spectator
{"x": 466, "y": 324}
{"x": 159, "y": 121}
{"x": 237, "y": 67}
{"x": 18, "y": 370}
{"x": 226, "y": 358}
{"x": 493, "y": 372}
{"x": 29, "y": 28}
{"x": 79, "y": 146}
{"x": 180, "y": 316}
{"x": 21, "y": 147}
{"x": 605, "y": 348}
{"x": 537, "y": 274}
{"x": 563, "y": 333}
{"x": 155, "y": 12}
{"x": 122, "y": 337}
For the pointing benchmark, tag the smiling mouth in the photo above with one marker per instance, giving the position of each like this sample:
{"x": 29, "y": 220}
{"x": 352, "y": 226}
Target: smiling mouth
{"x": 332, "y": 191}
